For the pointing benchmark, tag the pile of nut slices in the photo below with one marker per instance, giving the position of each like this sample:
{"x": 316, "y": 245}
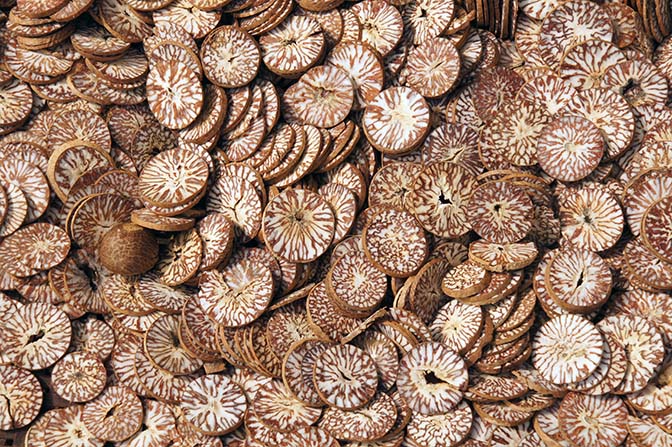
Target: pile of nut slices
{"x": 265, "y": 223}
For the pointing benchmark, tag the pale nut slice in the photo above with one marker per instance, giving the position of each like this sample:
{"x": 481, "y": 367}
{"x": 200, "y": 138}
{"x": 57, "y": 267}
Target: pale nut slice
{"x": 298, "y": 225}
{"x": 500, "y": 212}
{"x": 361, "y": 62}
{"x": 238, "y": 200}
{"x": 591, "y": 218}
{"x": 157, "y": 425}
{"x": 93, "y": 336}
{"x": 66, "y": 427}
{"x": 230, "y": 57}
{"x": 570, "y": 148}
{"x": 384, "y": 353}
{"x": 179, "y": 258}
{"x": 433, "y": 67}
{"x": 567, "y": 349}
{"x": 656, "y": 227}
{"x": 32, "y": 183}
{"x": 172, "y": 178}
{"x": 427, "y": 19}
{"x": 21, "y": 397}
{"x": 162, "y": 347}
{"x": 238, "y": 295}
{"x": 638, "y": 81}
{"x": 650, "y": 305}
{"x": 214, "y": 404}
{"x": 644, "y": 432}
{"x": 390, "y": 232}
{"x": 114, "y": 415}
{"x": 297, "y": 369}
{"x": 345, "y": 377}
{"x": 36, "y": 335}
{"x": 79, "y": 377}
{"x": 397, "y": 120}
{"x": 502, "y": 257}
{"x": 39, "y": 246}
{"x": 643, "y": 345}
{"x": 553, "y": 92}
{"x": 457, "y": 325}
{"x": 276, "y": 408}
{"x": 356, "y": 286}
{"x": 424, "y": 296}
{"x": 16, "y": 211}
{"x": 465, "y": 279}
{"x": 381, "y": 24}
{"x": 217, "y": 234}
{"x": 578, "y": 280}
{"x": 294, "y": 46}
{"x": 593, "y": 420}
{"x": 322, "y": 97}
{"x": 442, "y": 430}
{"x": 365, "y": 424}
{"x": 432, "y": 378}
{"x": 502, "y": 415}
{"x": 585, "y": 64}
{"x": 174, "y": 94}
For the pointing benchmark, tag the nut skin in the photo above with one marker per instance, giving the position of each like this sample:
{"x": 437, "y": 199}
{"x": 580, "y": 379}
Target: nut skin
{"x": 128, "y": 249}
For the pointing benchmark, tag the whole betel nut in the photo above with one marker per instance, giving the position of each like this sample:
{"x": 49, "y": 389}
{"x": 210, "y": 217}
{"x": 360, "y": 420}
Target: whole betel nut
{"x": 128, "y": 249}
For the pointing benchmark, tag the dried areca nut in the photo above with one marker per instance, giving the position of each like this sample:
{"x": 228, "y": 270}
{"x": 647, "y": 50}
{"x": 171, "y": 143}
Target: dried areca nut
{"x": 161, "y": 344}
{"x": 500, "y": 212}
{"x": 440, "y": 197}
{"x": 502, "y": 257}
{"x": 298, "y": 225}
{"x": 93, "y": 336}
{"x": 578, "y": 280}
{"x": 591, "y": 218}
{"x": 16, "y": 100}
{"x": 30, "y": 181}
{"x": 384, "y": 353}
{"x": 433, "y": 67}
{"x": 457, "y": 325}
{"x": 73, "y": 159}
{"x": 549, "y": 90}
{"x": 297, "y": 369}
{"x": 276, "y": 408}
{"x": 322, "y": 97}
{"x": 642, "y": 192}
{"x": 585, "y": 64}
{"x": 230, "y": 57}
{"x": 343, "y": 204}
{"x": 39, "y": 246}
{"x": 390, "y": 232}
{"x": 570, "y": 148}
{"x": 214, "y": 404}
{"x": 356, "y": 285}
{"x": 567, "y": 349}
{"x": 424, "y": 293}
{"x": 294, "y": 46}
{"x": 365, "y": 424}
{"x": 432, "y": 378}
{"x": 21, "y": 397}
{"x": 593, "y": 420}
{"x": 447, "y": 430}
{"x": 217, "y": 234}
{"x": 493, "y": 88}
{"x": 456, "y": 143}
{"x": 158, "y": 425}
{"x": 655, "y": 228}
{"x": 396, "y": 121}
{"x": 311, "y": 436}
{"x": 324, "y": 318}
{"x": 79, "y": 377}
{"x": 465, "y": 280}
{"x": 115, "y": 415}
{"x": 495, "y": 388}
{"x": 174, "y": 94}
{"x": 128, "y": 249}
{"x": 655, "y": 398}
{"x": 502, "y": 415}
{"x": 643, "y": 346}
{"x": 645, "y": 432}
{"x": 179, "y": 258}
{"x": 361, "y": 62}
{"x": 95, "y": 215}
{"x": 381, "y": 25}
{"x": 238, "y": 295}
{"x": 392, "y": 184}
{"x": 17, "y": 209}
{"x": 36, "y": 335}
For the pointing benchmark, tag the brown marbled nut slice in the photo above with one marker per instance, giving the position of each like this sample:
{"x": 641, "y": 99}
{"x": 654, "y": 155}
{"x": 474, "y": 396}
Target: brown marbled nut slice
{"x": 607, "y": 415}
{"x": 591, "y": 218}
{"x": 440, "y": 197}
{"x": 15, "y": 98}
{"x": 79, "y": 377}
{"x": 390, "y": 232}
{"x": 585, "y": 64}
{"x": 174, "y": 94}
{"x": 298, "y": 225}
{"x": 214, "y": 404}
{"x": 38, "y": 246}
{"x": 396, "y": 121}
{"x": 345, "y": 377}
{"x": 448, "y": 429}
{"x": 148, "y": 219}
{"x": 230, "y": 57}
{"x": 457, "y": 325}
{"x": 381, "y": 25}
{"x": 114, "y": 415}
{"x": 278, "y": 409}
{"x": 217, "y": 234}
{"x": 179, "y": 258}
{"x": 322, "y": 97}
{"x": 656, "y": 227}
{"x": 427, "y": 19}
{"x": 457, "y": 143}
{"x": 71, "y": 160}
{"x": 311, "y": 436}
{"x": 391, "y": 185}
{"x": 21, "y": 397}
{"x": 365, "y": 424}
{"x": 30, "y": 181}
{"x": 494, "y": 87}
{"x": 567, "y": 349}
{"x": 433, "y": 67}
{"x": 500, "y": 212}
{"x": 159, "y": 345}
{"x": 238, "y": 200}
{"x": 158, "y": 425}
{"x": 17, "y": 209}
{"x": 578, "y": 280}
{"x": 485, "y": 387}
{"x": 93, "y": 336}
{"x": 502, "y": 257}
{"x": 432, "y": 378}
{"x": 324, "y": 317}
{"x": 294, "y": 46}
{"x": 355, "y": 285}
{"x": 361, "y": 62}
{"x": 465, "y": 279}
{"x": 297, "y": 369}
{"x": 36, "y": 335}
{"x": 96, "y": 215}
{"x": 553, "y": 92}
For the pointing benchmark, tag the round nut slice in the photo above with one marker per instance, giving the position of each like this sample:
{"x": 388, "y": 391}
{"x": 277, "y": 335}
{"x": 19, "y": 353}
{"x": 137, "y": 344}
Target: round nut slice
{"x": 174, "y": 94}
{"x": 356, "y": 285}
{"x": 230, "y": 57}
{"x": 445, "y": 430}
{"x": 214, "y": 404}
{"x": 433, "y": 67}
{"x": 593, "y": 420}
{"x": 432, "y": 378}
{"x": 21, "y": 397}
{"x": 381, "y": 24}
{"x": 162, "y": 346}
{"x": 465, "y": 279}
{"x": 79, "y": 377}
{"x": 276, "y": 408}
{"x": 115, "y": 415}
{"x": 457, "y": 325}
{"x": 368, "y": 423}
{"x": 656, "y": 228}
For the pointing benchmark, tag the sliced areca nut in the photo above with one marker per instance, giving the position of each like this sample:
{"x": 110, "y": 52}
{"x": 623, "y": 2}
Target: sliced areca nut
{"x": 30, "y": 181}
{"x": 322, "y": 97}
{"x": 276, "y": 408}
{"x": 424, "y": 293}
{"x": 294, "y": 46}
{"x": 655, "y": 227}
{"x": 502, "y": 415}
{"x": 95, "y": 215}
{"x": 446, "y": 430}
{"x": 384, "y": 353}
{"x": 521, "y": 312}
{"x": 16, "y": 99}
{"x": 356, "y": 285}
{"x": 655, "y": 398}
{"x": 494, "y": 87}
{"x": 646, "y": 433}
{"x": 381, "y": 24}
{"x": 161, "y": 384}
{"x": 343, "y": 204}
{"x": 238, "y": 200}
{"x": 238, "y": 297}
{"x": 457, "y": 326}
{"x": 17, "y": 209}
{"x": 73, "y": 159}
{"x": 79, "y": 377}
{"x": 230, "y": 57}
{"x": 324, "y": 318}
{"x": 298, "y": 225}
{"x": 495, "y": 388}
{"x": 311, "y": 436}
{"x": 578, "y": 280}
{"x": 392, "y": 184}
{"x": 500, "y": 212}
{"x": 396, "y": 121}
{"x": 66, "y": 426}
{"x": 158, "y": 425}
{"x": 214, "y": 404}
{"x": 115, "y": 415}
{"x": 643, "y": 346}
{"x": 465, "y": 280}
{"x": 591, "y": 218}
{"x": 297, "y": 369}
{"x": 363, "y": 65}
{"x": 173, "y": 178}
{"x": 502, "y": 257}
{"x": 179, "y": 258}
{"x": 593, "y": 420}
{"x": 36, "y": 335}
{"x": 21, "y": 397}
{"x": 432, "y": 378}
{"x": 433, "y": 67}
{"x": 585, "y": 64}
{"x": 456, "y": 143}
{"x": 651, "y": 85}
{"x": 217, "y": 233}
{"x": 174, "y": 94}
{"x": 567, "y": 349}
{"x": 93, "y": 336}
{"x": 390, "y": 232}
{"x": 149, "y": 219}
{"x": 644, "y": 190}
{"x": 365, "y": 424}
{"x": 211, "y": 118}
{"x": 38, "y": 246}
{"x": 162, "y": 346}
